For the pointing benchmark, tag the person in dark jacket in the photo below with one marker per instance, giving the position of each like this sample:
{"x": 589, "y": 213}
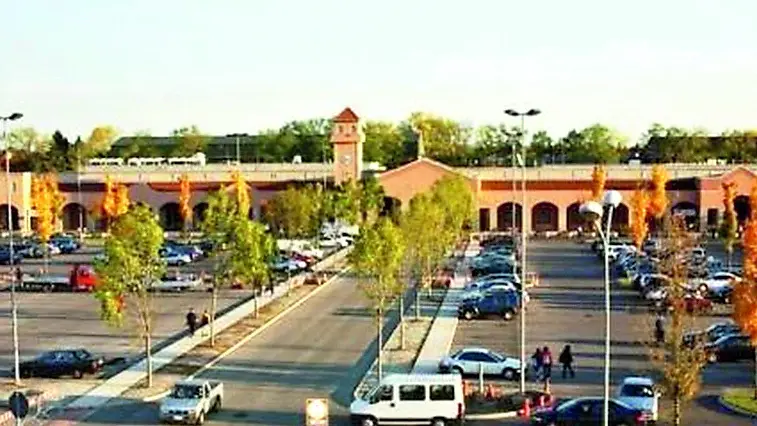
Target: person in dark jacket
{"x": 191, "y": 321}
{"x": 566, "y": 359}
{"x": 659, "y": 329}
{"x": 536, "y": 363}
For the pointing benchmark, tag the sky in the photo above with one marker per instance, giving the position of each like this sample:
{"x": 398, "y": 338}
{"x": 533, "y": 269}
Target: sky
{"x": 247, "y": 65}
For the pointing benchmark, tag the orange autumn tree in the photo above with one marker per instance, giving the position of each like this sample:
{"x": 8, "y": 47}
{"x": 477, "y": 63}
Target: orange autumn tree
{"x": 598, "y": 179}
{"x": 115, "y": 201}
{"x": 729, "y": 226}
{"x": 185, "y": 194}
{"x": 658, "y": 199}
{"x": 745, "y": 292}
{"x": 122, "y": 201}
{"x": 47, "y": 201}
{"x": 639, "y": 208}
{"x": 242, "y": 194}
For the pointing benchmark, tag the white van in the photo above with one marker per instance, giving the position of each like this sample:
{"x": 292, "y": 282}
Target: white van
{"x": 412, "y": 399}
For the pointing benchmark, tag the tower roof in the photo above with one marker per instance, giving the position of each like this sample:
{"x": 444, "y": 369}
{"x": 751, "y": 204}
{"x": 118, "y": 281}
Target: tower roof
{"x": 346, "y": 116}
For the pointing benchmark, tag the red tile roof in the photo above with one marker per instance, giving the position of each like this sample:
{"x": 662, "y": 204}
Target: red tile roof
{"x": 346, "y": 116}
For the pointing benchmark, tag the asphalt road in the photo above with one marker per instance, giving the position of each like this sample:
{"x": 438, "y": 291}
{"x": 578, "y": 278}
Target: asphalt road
{"x": 568, "y": 308}
{"x": 321, "y": 349}
{"x": 60, "y": 320}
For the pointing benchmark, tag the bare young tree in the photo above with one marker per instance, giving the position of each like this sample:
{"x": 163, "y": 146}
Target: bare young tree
{"x": 678, "y": 362}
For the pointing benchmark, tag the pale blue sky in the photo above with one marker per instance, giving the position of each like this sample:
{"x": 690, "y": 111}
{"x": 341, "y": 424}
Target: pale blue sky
{"x": 245, "y": 65}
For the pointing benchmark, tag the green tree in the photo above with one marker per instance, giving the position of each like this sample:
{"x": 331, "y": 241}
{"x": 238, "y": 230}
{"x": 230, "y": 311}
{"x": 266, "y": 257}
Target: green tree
{"x": 444, "y": 139}
{"x": 241, "y": 248}
{"x": 371, "y": 199}
{"x": 99, "y": 141}
{"x": 293, "y": 213}
{"x": 377, "y": 259}
{"x": 425, "y": 231}
{"x": 454, "y": 193}
{"x": 28, "y": 139}
{"x": 130, "y": 266}
{"x": 384, "y": 143}
{"x": 189, "y": 141}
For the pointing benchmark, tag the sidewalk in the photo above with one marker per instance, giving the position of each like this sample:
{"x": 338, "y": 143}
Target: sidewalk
{"x": 442, "y": 332}
{"x": 119, "y": 383}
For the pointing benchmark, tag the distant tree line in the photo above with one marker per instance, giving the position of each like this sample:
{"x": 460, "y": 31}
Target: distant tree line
{"x": 392, "y": 144}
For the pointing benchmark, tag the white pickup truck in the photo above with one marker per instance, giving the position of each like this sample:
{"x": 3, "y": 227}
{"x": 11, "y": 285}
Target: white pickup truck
{"x": 190, "y": 401}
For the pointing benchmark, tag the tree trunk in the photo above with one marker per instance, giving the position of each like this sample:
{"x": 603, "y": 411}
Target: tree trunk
{"x": 676, "y": 410}
{"x": 402, "y": 323}
{"x": 380, "y": 339}
{"x": 148, "y": 351}
{"x": 418, "y": 302}
{"x": 255, "y": 305}
{"x": 755, "y": 375}
{"x": 213, "y": 305}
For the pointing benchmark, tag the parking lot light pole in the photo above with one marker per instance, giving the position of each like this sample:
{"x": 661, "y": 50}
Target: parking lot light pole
{"x": 593, "y": 212}
{"x": 8, "y": 186}
{"x": 530, "y": 113}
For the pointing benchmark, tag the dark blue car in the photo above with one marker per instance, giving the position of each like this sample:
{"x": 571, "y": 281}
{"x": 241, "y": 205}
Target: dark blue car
{"x": 503, "y": 305}
{"x": 589, "y": 411}
{"x": 65, "y": 244}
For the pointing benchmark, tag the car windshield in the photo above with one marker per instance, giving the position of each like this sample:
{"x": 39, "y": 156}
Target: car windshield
{"x": 186, "y": 392}
{"x": 637, "y": 391}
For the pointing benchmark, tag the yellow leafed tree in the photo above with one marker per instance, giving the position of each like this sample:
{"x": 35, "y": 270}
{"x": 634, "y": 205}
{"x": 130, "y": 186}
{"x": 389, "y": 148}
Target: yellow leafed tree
{"x": 745, "y": 292}
{"x": 242, "y": 193}
{"x": 658, "y": 202}
{"x": 598, "y": 179}
{"x": 185, "y": 194}
{"x": 47, "y": 202}
{"x": 108, "y": 204}
{"x": 639, "y": 207}
{"x": 122, "y": 201}
{"x": 729, "y": 225}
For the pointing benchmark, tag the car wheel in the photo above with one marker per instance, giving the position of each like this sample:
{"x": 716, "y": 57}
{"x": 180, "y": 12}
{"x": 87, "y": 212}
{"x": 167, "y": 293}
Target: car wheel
{"x": 727, "y": 300}
{"x": 509, "y": 374}
{"x": 438, "y": 422}
{"x": 77, "y": 374}
{"x": 468, "y": 315}
{"x": 507, "y": 315}
{"x": 457, "y": 370}
{"x": 48, "y": 288}
{"x": 217, "y": 405}
{"x": 369, "y": 421}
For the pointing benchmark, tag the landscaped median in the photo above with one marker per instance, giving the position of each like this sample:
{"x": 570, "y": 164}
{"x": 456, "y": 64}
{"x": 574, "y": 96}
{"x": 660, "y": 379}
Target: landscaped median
{"x": 740, "y": 401}
{"x": 189, "y": 355}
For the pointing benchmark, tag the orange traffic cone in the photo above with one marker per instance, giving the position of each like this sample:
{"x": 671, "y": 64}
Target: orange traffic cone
{"x": 526, "y": 410}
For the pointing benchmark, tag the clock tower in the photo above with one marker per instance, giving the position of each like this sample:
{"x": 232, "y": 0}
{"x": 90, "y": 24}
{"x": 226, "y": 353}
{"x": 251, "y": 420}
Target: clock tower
{"x": 347, "y": 138}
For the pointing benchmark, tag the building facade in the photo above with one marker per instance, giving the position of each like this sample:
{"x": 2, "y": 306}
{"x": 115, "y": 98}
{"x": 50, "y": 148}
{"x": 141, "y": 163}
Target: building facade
{"x": 553, "y": 193}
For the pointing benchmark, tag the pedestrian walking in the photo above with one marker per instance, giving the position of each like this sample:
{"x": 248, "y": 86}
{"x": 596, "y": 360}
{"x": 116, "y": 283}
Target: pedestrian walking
{"x": 19, "y": 275}
{"x": 566, "y": 359}
{"x": 536, "y": 359}
{"x": 546, "y": 364}
{"x": 659, "y": 329}
{"x": 204, "y": 318}
{"x": 191, "y": 321}
{"x": 271, "y": 283}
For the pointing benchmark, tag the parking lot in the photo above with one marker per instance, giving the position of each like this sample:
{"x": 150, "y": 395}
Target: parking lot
{"x": 65, "y": 320}
{"x": 568, "y": 308}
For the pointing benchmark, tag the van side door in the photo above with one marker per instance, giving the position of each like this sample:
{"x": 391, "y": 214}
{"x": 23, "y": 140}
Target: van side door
{"x": 412, "y": 404}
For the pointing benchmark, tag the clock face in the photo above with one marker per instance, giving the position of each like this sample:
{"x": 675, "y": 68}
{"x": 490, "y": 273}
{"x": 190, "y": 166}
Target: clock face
{"x": 346, "y": 159}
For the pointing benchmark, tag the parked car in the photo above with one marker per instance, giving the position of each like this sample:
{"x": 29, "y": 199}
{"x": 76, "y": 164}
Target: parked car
{"x": 503, "y": 305}
{"x": 177, "y": 283}
{"x": 5, "y": 256}
{"x": 640, "y": 393}
{"x": 489, "y": 287}
{"x": 285, "y": 264}
{"x": 716, "y": 282}
{"x": 173, "y": 257}
{"x": 589, "y": 411}
{"x": 470, "y": 360}
{"x": 65, "y": 243}
{"x": 732, "y": 347}
{"x": 190, "y": 401}
{"x": 68, "y": 362}
{"x": 497, "y": 267}
{"x": 429, "y": 399}
{"x": 712, "y": 333}
{"x": 192, "y": 250}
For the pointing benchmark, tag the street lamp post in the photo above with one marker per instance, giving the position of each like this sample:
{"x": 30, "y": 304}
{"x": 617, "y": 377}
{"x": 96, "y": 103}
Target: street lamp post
{"x": 8, "y": 187}
{"x": 530, "y": 113}
{"x": 236, "y": 136}
{"x": 593, "y": 212}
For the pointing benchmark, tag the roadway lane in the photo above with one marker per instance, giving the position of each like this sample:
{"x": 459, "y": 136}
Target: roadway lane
{"x": 319, "y": 350}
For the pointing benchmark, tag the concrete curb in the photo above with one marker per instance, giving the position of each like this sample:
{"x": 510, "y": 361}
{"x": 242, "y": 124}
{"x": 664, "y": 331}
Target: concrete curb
{"x": 492, "y": 416}
{"x": 735, "y": 409}
{"x": 276, "y": 318}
